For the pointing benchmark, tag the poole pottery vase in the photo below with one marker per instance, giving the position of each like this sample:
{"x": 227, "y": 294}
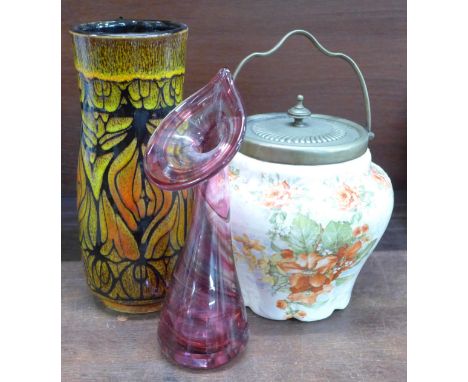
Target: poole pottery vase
{"x": 130, "y": 74}
{"x": 308, "y": 208}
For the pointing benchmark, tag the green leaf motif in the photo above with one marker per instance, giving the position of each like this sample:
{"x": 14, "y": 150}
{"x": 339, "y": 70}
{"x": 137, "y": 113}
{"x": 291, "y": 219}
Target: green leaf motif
{"x": 278, "y": 218}
{"x": 356, "y": 218}
{"x": 274, "y": 247}
{"x": 344, "y": 280}
{"x": 337, "y": 234}
{"x": 304, "y": 234}
{"x": 364, "y": 252}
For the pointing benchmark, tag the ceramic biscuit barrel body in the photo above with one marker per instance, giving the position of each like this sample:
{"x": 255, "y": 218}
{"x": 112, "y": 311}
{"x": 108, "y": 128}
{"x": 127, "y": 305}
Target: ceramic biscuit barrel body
{"x": 301, "y": 234}
{"x": 308, "y": 206}
{"x": 130, "y": 75}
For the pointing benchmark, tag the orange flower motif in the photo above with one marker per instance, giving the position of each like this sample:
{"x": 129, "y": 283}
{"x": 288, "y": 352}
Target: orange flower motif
{"x": 299, "y": 282}
{"x": 233, "y": 174}
{"x": 349, "y": 253}
{"x": 348, "y": 198}
{"x": 301, "y": 314}
{"x": 360, "y": 230}
{"x": 317, "y": 280}
{"x": 281, "y": 304}
{"x": 304, "y": 262}
{"x": 309, "y": 261}
{"x": 302, "y": 282}
{"x": 378, "y": 177}
{"x": 287, "y": 254}
{"x": 304, "y": 297}
{"x": 289, "y": 266}
{"x": 312, "y": 274}
{"x": 248, "y": 244}
{"x": 326, "y": 263}
{"x": 278, "y": 196}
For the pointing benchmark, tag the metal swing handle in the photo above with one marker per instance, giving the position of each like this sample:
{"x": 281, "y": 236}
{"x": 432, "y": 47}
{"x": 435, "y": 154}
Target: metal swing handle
{"x": 325, "y": 51}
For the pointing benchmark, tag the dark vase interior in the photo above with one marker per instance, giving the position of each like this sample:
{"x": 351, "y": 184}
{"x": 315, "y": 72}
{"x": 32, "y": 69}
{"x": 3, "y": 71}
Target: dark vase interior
{"x": 125, "y": 27}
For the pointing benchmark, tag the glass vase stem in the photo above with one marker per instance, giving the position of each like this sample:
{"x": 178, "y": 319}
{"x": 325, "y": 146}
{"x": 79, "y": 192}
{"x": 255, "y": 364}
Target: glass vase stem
{"x": 203, "y": 323}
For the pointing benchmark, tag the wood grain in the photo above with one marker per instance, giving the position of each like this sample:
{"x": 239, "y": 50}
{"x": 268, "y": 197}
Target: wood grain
{"x": 364, "y": 342}
{"x": 221, "y": 33}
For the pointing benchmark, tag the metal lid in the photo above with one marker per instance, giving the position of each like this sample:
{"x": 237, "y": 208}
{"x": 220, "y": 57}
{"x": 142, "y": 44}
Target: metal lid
{"x": 299, "y": 137}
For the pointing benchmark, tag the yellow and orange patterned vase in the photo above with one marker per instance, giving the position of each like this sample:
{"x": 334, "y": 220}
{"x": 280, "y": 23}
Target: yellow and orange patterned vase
{"x": 131, "y": 75}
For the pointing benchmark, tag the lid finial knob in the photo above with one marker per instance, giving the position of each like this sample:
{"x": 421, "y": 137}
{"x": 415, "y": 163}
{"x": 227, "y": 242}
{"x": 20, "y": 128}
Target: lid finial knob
{"x": 299, "y": 112}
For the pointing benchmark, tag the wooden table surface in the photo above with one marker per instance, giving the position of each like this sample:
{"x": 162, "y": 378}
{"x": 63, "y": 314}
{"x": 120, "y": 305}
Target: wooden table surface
{"x": 364, "y": 342}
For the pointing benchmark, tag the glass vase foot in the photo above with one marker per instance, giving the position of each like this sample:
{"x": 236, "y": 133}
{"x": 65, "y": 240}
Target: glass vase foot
{"x": 201, "y": 361}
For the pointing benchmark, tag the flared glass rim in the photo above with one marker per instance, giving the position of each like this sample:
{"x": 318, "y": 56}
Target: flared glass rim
{"x": 230, "y": 146}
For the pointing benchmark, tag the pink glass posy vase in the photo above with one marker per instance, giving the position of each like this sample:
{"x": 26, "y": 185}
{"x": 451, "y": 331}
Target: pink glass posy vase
{"x": 203, "y": 323}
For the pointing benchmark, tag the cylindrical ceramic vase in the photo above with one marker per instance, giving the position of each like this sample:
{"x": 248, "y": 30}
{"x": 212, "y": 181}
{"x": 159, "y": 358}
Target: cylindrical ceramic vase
{"x": 131, "y": 75}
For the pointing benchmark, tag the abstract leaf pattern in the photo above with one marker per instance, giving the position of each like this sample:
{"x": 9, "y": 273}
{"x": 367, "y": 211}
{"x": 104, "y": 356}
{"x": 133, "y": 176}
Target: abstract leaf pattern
{"x": 130, "y": 231}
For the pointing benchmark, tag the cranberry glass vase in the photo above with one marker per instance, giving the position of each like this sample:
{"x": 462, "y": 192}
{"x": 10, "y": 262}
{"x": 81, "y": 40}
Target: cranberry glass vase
{"x": 203, "y": 323}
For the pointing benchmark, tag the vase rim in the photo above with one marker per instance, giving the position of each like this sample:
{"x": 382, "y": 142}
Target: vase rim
{"x": 128, "y": 28}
